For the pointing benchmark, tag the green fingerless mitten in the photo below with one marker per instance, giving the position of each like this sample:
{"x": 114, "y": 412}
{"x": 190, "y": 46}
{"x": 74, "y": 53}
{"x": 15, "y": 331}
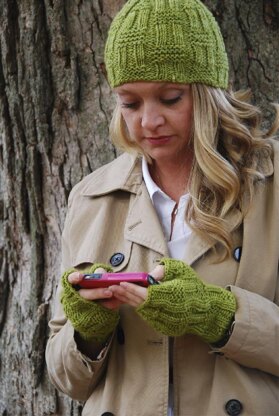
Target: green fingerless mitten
{"x": 90, "y": 319}
{"x": 183, "y": 303}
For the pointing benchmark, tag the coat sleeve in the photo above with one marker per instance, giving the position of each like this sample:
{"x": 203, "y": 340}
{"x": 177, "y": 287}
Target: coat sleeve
{"x": 69, "y": 370}
{"x": 255, "y": 337}
{"x": 254, "y": 341}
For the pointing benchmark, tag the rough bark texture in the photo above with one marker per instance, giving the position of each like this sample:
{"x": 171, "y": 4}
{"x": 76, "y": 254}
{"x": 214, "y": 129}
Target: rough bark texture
{"x": 251, "y": 32}
{"x": 55, "y": 107}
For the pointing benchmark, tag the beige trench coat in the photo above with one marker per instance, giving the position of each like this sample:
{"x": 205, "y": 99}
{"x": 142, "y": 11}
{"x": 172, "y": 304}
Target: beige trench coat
{"x": 110, "y": 212}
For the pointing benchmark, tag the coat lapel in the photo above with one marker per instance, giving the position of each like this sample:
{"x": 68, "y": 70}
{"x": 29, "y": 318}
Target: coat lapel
{"x": 197, "y": 247}
{"x": 123, "y": 173}
{"x": 143, "y": 226}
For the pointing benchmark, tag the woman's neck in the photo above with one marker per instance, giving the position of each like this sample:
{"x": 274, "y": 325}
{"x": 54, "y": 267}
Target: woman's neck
{"x": 172, "y": 178}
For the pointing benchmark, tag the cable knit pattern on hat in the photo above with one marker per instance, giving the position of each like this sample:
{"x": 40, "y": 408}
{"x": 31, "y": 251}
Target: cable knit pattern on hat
{"x": 183, "y": 303}
{"x": 90, "y": 319}
{"x": 166, "y": 40}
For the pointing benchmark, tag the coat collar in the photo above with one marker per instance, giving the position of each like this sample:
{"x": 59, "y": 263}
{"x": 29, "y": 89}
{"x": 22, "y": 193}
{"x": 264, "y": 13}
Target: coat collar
{"x": 142, "y": 226}
{"x": 197, "y": 247}
{"x": 123, "y": 173}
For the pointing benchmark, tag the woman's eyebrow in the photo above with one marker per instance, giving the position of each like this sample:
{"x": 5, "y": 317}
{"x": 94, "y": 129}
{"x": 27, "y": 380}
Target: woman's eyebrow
{"x": 124, "y": 92}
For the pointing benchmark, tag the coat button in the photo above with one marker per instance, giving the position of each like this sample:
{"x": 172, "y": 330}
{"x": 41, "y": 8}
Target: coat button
{"x": 237, "y": 254}
{"x": 233, "y": 407}
{"x": 116, "y": 259}
{"x": 120, "y": 335}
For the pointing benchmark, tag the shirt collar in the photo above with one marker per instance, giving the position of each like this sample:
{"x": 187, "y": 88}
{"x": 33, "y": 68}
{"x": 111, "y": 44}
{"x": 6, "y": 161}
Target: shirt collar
{"x": 151, "y": 186}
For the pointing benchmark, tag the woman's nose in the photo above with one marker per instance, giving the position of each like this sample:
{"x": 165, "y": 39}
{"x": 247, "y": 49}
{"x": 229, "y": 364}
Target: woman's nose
{"x": 152, "y": 118}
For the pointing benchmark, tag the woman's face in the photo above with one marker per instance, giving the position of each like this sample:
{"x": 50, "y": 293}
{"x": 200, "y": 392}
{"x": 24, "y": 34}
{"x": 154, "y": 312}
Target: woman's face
{"x": 158, "y": 116}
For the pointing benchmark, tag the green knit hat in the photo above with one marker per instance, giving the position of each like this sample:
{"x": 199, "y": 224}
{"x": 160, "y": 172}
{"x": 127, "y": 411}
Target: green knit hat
{"x": 166, "y": 40}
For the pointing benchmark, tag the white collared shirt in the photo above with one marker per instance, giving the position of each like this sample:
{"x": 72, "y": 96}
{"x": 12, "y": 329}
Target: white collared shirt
{"x": 164, "y": 207}
{"x": 180, "y": 234}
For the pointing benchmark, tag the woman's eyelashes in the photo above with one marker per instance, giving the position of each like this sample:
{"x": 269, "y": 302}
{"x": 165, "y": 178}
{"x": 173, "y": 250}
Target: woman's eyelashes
{"x": 165, "y": 101}
{"x": 171, "y": 101}
{"x": 129, "y": 105}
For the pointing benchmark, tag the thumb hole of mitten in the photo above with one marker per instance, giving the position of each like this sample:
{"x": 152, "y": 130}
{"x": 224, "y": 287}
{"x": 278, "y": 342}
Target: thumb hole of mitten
{"x": 158, "y": 273}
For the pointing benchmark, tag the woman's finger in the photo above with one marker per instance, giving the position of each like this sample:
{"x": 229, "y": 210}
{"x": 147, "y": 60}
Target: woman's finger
{"x": 95, "y": 294}
{"x": 159, "y": 272}
{"x": 75, "y": 278}
{"x": 112, "y": 303}
{"x": 129, "y": 293}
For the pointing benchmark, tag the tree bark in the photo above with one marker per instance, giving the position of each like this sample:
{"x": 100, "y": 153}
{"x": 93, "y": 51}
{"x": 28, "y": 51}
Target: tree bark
{"x": 55, "y": 107}
{"x": 251, "y": 33}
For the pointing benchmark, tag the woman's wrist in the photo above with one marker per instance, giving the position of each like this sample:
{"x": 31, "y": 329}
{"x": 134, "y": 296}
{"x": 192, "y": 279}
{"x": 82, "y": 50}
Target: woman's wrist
{"x": 226, "y": 337}
{"x": 91, "y": 349}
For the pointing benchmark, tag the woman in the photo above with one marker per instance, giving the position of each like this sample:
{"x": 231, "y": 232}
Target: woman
{"x": 194, "y": 201}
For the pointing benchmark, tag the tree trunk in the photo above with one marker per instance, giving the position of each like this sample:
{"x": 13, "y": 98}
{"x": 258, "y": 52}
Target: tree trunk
{"x": 55, "y": 107}
{"x": 251, "y": 32}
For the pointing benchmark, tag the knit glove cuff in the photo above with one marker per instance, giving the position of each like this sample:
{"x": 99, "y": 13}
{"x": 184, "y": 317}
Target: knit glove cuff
{"x": 90, "y": 319}
{"x": 183, "y": 303}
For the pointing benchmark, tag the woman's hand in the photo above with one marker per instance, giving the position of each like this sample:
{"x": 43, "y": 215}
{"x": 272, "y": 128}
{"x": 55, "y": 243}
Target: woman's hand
{"x": 184, "y": 304}
{"x": 93, "y": 321}
{"x": 104, "y": 296}
{"x": 132, "y": 294}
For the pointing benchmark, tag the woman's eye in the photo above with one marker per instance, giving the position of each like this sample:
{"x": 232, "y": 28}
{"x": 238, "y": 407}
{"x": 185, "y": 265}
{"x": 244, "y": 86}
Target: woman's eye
{"x": 171, "y": 101}
{"x": 129, "y": 105}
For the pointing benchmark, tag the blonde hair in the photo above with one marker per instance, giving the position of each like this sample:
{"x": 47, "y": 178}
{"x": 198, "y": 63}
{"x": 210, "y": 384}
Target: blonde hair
{"x": 229, "y": 147}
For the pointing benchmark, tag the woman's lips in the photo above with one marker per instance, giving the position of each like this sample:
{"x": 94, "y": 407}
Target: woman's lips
{"x": 158, "y": 140}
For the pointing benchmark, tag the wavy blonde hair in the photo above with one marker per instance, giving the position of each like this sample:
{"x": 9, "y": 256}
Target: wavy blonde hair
{"x": 229, "y": 147}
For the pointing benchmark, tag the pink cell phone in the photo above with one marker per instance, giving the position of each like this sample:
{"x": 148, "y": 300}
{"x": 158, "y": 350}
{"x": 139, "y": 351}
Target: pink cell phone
{"x": 95, "y": 280}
